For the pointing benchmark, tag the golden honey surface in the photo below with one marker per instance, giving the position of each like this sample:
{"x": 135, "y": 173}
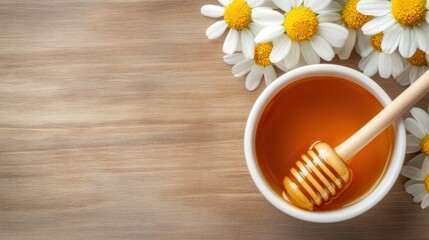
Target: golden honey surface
{"x": 327, "y": 109}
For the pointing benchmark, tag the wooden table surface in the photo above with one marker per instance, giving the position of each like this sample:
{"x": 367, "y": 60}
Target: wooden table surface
{"x": 119, "y": 120}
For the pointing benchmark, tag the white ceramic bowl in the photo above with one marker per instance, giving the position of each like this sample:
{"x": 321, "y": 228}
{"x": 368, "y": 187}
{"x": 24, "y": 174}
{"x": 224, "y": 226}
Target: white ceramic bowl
{"x": 371, "y": 199}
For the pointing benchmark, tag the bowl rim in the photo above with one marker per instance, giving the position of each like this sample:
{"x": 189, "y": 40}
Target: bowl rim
{"x": 384, "y": 185}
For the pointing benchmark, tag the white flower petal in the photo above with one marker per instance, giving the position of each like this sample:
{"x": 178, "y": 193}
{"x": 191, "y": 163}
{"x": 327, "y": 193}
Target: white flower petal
{"x": 335, "y": 34}
{"x": 269, "y": 4}
{"x": 363, "y": 46}
{"x": 425, "y": 166}
{"x": 317, "y": 5}
{"x": 422, "y": 118}
{"x": 306, "y": 2}
{"x": 295, "y": 3}
{"x": 384, "y": 65}
{"x": 391, "y": 39}
{"x": 281, "y": 65}
{"x": 301, "y": 62}
{"x": 413, "y": 74}
{"x": 415, "y": 189}
{"x": 292, "y": 58}
{"x": 310, "y": 56}
{"x": 378, "y": 24}
{"x": 267, "y": 17}
{"x": 411, "y": 182}
{"x": 322, "y": 48}
{"x": 421, "y": 70}
{"x": 413, "y": 144}
{"x": 364, "y": 61}
{"x": 329, "y": 17}
{"x": 427, "y": 15}
{"x": 334, "y": 6}
{"x": 253, "y": 79}
{"x": 414, "y": 128}
{"x": 239, "y": 43}
{"x": 403, "y": 78}
{"x": 242, "y": 68}
{"x": 216, "y": 29}
{"x": 397, "y": 65}
{"x": 407, "y": 43}
{"x": 420, "y": 196}
{"x": 425, "y": 202}
{"x": 232, "y": 59}
{"x": 421, "y": 37}
{"x": 413, "y": 173}
{"x": 254, "y": 3}
{"x": 255, "y": 28}
{"x": 417, "y": 161}
{"x": 231, "y": 41}
{"x": 269, "y": 74}
{"x": 247, "y": 43}
{"x": 224, "y": 2}
{"x": 371, "y": 67}
{"x": 281, "y": 47}
{"x": 283, "y": 5}
{"x": 212, "y": 11}
{"x": 425, "y": 27}
{"x": 269, "y": 33}
{"x": 374, "y": 7}
{"x": 345, "y": 51}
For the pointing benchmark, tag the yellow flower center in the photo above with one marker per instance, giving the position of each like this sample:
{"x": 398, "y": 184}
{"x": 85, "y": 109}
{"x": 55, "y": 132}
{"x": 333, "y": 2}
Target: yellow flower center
{"x": 262, "y": 54}
{"x": 376, "y": 41}
{"x": 418, "y": 59}
{"x": 300, "y": 24}
{"x": 409, "y": 12}
{"x": 351, "y": 17}
{"x": 238, "y": 14}
{"x": 427, "y": 183}
{"x": 424, "y": 145}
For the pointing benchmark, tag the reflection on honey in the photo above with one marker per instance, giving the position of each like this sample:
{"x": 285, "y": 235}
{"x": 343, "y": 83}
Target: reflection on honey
{"x": 327, "y": 109}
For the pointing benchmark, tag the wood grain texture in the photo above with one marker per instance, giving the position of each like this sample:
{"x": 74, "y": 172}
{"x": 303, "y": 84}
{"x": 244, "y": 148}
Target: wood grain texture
{"x": 119, "y": 120}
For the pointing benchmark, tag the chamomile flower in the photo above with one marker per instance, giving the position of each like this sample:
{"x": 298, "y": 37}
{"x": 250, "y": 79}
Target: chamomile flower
{"x": 418, "y": 168}
{"x": 353, "y": 21}
{"x": 418, "y": 128}
{"x": 378, "y": 61}
{"x": 237, "y": 15}
{"x": 415, "y": 66}
{"x": 255, "y": 68}
{"x": 404, "y": 24}
{"x": 305, "y": 28}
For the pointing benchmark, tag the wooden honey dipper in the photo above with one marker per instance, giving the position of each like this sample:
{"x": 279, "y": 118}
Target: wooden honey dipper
{"x": 322, "y": 172}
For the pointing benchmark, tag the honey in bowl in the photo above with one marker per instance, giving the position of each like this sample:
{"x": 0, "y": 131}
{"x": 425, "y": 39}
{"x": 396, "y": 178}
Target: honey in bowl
{"x": 327, "y": 109}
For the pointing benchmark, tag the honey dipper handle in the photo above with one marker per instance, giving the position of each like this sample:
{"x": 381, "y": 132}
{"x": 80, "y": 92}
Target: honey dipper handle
{"x": 390, "y": 113}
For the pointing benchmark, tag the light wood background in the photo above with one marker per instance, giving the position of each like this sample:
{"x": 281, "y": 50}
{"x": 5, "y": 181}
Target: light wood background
{"x": 119, "y": 120}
